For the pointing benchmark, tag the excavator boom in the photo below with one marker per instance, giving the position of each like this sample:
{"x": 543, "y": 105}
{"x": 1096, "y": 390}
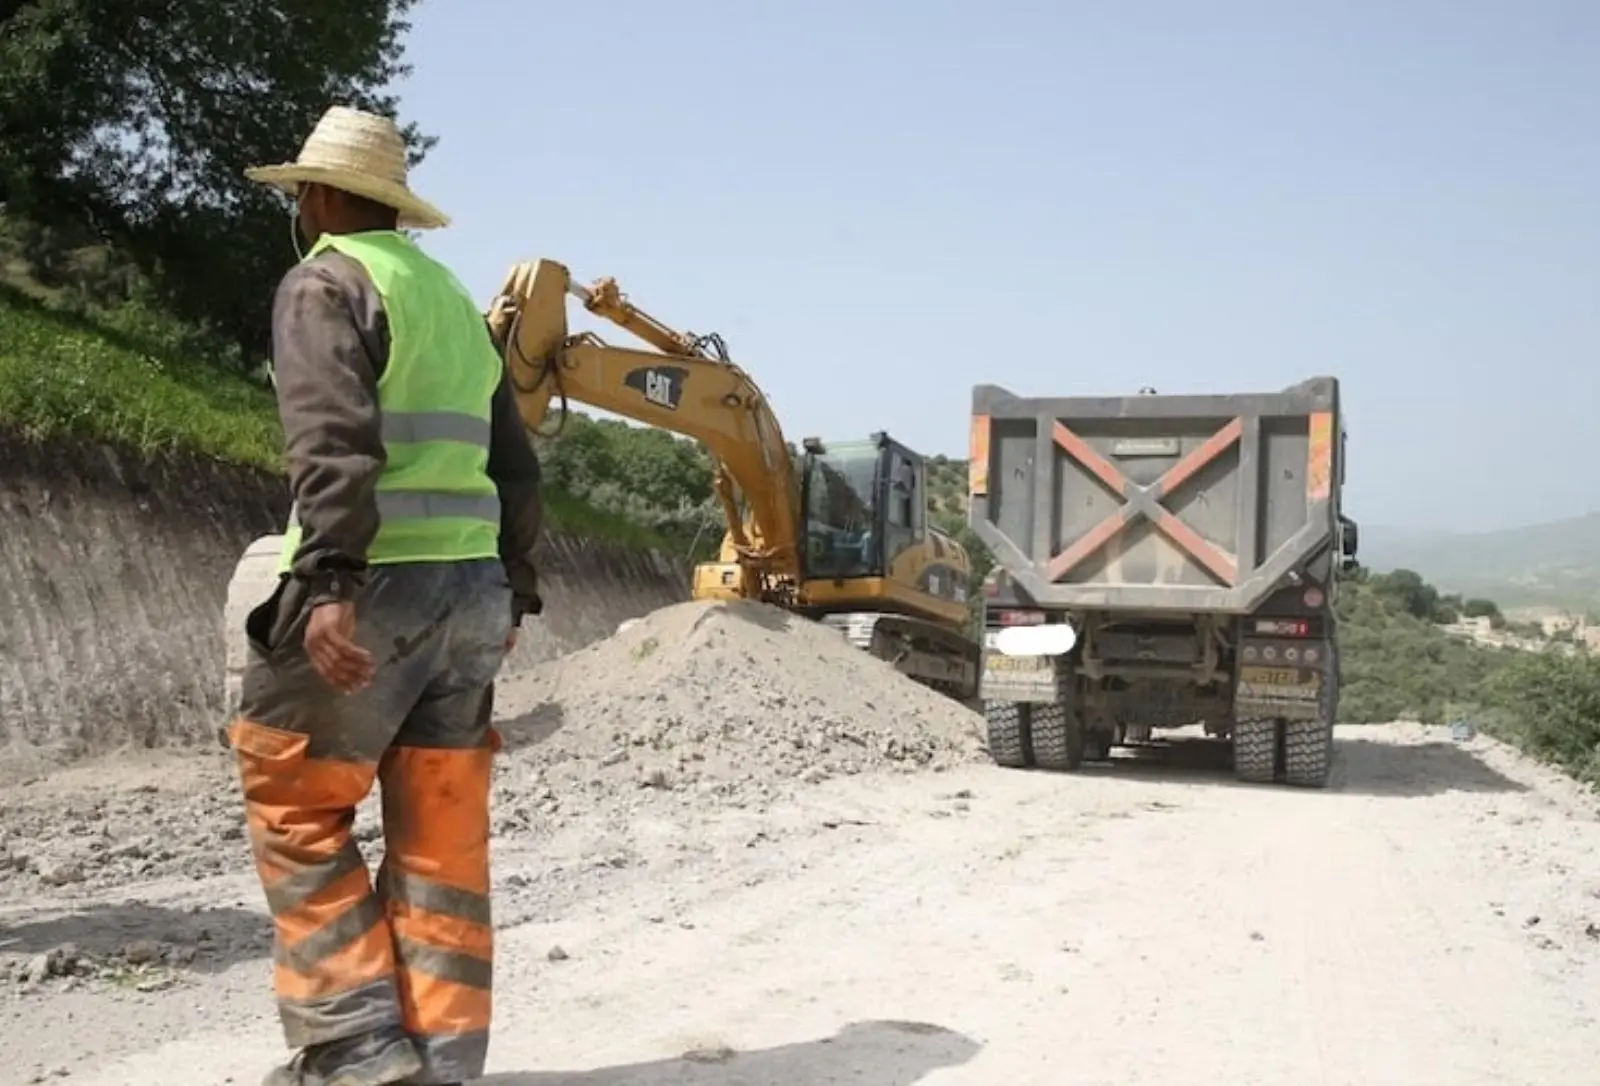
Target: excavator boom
{"x": 871, "y": 567}
{"x": 681, "y": 386}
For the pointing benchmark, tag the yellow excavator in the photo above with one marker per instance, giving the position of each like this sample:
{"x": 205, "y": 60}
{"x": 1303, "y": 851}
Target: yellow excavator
{"x": 842, "y": 537}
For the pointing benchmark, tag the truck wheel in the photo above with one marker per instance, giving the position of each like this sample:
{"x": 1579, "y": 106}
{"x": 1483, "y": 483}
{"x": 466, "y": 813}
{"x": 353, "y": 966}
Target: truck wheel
{"x": 1008, "y": 733}
{"x": 1058, "y": 738}
{"x": 1254, "y": 745}
{"x": 1307, "y": 752}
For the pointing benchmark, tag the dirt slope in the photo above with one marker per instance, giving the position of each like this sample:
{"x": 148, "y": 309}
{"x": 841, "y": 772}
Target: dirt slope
{"x": 113, "y": 579}
{"x": 1433, "y": 918}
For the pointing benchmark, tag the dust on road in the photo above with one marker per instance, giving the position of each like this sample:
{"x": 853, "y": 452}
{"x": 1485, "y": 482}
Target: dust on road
{"x": 711, "y": 913}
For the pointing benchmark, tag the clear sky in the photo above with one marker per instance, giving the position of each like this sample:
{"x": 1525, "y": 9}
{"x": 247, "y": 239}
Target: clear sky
{"x": 881, "y": 203}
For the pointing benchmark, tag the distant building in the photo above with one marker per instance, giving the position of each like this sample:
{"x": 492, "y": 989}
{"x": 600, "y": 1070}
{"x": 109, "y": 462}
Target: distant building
{"x": 1562, "y": 623}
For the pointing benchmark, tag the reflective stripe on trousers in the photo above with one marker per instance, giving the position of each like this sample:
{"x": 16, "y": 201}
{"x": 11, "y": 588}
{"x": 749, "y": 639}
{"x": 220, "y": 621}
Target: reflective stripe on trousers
{"x": 333, "y": 958}
{"x": 435, "y": 884}
{"x": 417, "y": 953}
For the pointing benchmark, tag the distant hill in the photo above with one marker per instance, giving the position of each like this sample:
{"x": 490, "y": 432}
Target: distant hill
{"x": 1556, "y": 564}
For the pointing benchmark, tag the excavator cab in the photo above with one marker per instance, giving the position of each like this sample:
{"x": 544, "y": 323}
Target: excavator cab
{"x": 863, "y": 506}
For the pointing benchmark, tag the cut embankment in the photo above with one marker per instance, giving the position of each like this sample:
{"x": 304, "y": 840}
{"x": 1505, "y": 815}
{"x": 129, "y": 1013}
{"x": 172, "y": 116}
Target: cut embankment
{"x": 113, "y": 575}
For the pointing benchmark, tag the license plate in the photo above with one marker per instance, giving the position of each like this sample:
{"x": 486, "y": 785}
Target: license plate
{"x": 1018, "y": 678}
{"x": 1279, "y": 676}
{"x": 995, "y": 661}
{"x": 1290, "y": 691}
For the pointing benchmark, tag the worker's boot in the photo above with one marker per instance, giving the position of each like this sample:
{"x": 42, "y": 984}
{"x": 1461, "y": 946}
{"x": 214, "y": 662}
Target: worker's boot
{"x": 373, "y": 1059}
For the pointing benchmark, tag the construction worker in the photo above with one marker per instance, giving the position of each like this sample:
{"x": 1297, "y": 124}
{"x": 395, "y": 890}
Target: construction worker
{"x": 405, "y": 572}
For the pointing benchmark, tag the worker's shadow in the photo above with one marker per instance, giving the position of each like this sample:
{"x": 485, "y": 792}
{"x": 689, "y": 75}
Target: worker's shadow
{"x": 869, "y": 1053}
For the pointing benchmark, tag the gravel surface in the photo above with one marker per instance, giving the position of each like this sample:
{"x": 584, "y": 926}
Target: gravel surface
{"x": 731, "y": 850}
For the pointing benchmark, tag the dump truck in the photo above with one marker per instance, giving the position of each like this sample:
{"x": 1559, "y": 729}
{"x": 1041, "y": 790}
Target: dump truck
{"x": 1162, "y": 561}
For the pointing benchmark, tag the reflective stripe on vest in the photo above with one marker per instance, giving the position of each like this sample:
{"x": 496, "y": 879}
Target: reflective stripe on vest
{"x": 435, "y": 499}
{"x": 417, "y": 504}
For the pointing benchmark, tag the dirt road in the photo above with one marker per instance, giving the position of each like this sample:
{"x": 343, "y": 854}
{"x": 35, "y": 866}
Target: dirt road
{"x": 1433, "y": 918}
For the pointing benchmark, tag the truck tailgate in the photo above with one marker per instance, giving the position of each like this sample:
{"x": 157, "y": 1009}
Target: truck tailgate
{"x": 1156, "y": 503}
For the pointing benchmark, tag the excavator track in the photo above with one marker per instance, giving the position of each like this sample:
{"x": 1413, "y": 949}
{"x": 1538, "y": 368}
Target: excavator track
{"x": 933, "y": 655}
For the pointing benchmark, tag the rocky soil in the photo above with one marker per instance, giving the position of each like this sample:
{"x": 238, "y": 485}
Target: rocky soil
{"x": 730, "y": 850}
{"x": 695, "y": 707}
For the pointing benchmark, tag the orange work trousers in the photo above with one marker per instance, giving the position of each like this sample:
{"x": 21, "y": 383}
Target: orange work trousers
{"x": 416, "y": 951}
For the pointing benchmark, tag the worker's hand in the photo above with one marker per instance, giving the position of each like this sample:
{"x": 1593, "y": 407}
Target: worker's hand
{"x": 330, "y": 643}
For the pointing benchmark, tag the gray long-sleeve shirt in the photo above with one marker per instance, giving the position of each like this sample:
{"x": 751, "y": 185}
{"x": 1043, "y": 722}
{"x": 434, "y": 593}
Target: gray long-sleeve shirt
{"x": 330, "y": 342}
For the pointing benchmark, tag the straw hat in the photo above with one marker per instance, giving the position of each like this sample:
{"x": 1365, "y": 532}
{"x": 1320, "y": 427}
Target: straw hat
{"x": 361, "y": 153}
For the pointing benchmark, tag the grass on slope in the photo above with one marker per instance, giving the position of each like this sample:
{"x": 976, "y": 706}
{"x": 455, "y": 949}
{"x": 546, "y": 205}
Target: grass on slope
{"x": 63, "y": 376}
{"x": 126, "y": 381}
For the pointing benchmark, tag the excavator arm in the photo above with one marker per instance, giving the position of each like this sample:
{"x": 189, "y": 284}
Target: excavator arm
{"x": 686, "y": 384}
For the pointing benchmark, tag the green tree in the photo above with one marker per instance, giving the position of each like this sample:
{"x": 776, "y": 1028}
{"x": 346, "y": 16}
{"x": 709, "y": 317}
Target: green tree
{"x": 1415, "y": 596}
{"x": 577, "y": 458}
{"x": 129, "y": 123}
{"x": 1396, "y": 664}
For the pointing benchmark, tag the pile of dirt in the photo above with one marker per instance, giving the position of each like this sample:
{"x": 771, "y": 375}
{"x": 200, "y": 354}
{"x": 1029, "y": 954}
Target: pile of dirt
{"x": 733, "y": 702}
{"x": 696, "y": 706}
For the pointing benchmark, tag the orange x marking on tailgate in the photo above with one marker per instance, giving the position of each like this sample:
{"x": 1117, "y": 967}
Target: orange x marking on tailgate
{"x": 1146, "y": 501}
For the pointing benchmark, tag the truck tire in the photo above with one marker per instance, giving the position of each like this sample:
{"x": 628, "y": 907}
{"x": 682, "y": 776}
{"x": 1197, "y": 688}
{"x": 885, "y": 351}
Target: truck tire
{"x": 1008, "y": 733}
{"x": 1307, "y": 752}
{"x": 1058, "y": 738}
{"x": 1254, "y": 747}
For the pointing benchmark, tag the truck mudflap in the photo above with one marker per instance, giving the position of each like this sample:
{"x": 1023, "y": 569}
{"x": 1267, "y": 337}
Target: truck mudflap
{"x": 1020, "y": 663}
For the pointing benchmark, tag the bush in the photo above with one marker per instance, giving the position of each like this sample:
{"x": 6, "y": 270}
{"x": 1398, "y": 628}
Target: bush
{"x": 1395, "y": 665}
{"x": 1548, "y": 703}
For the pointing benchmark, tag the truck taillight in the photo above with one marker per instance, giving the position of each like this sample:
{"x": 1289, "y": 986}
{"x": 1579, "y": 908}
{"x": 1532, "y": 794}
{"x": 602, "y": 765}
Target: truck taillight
{"x": 1020, "y": 618}
{"x": 1283, "y": 627}
{"x": 991, "y": 582}
{"x": 1313, "y": 597}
